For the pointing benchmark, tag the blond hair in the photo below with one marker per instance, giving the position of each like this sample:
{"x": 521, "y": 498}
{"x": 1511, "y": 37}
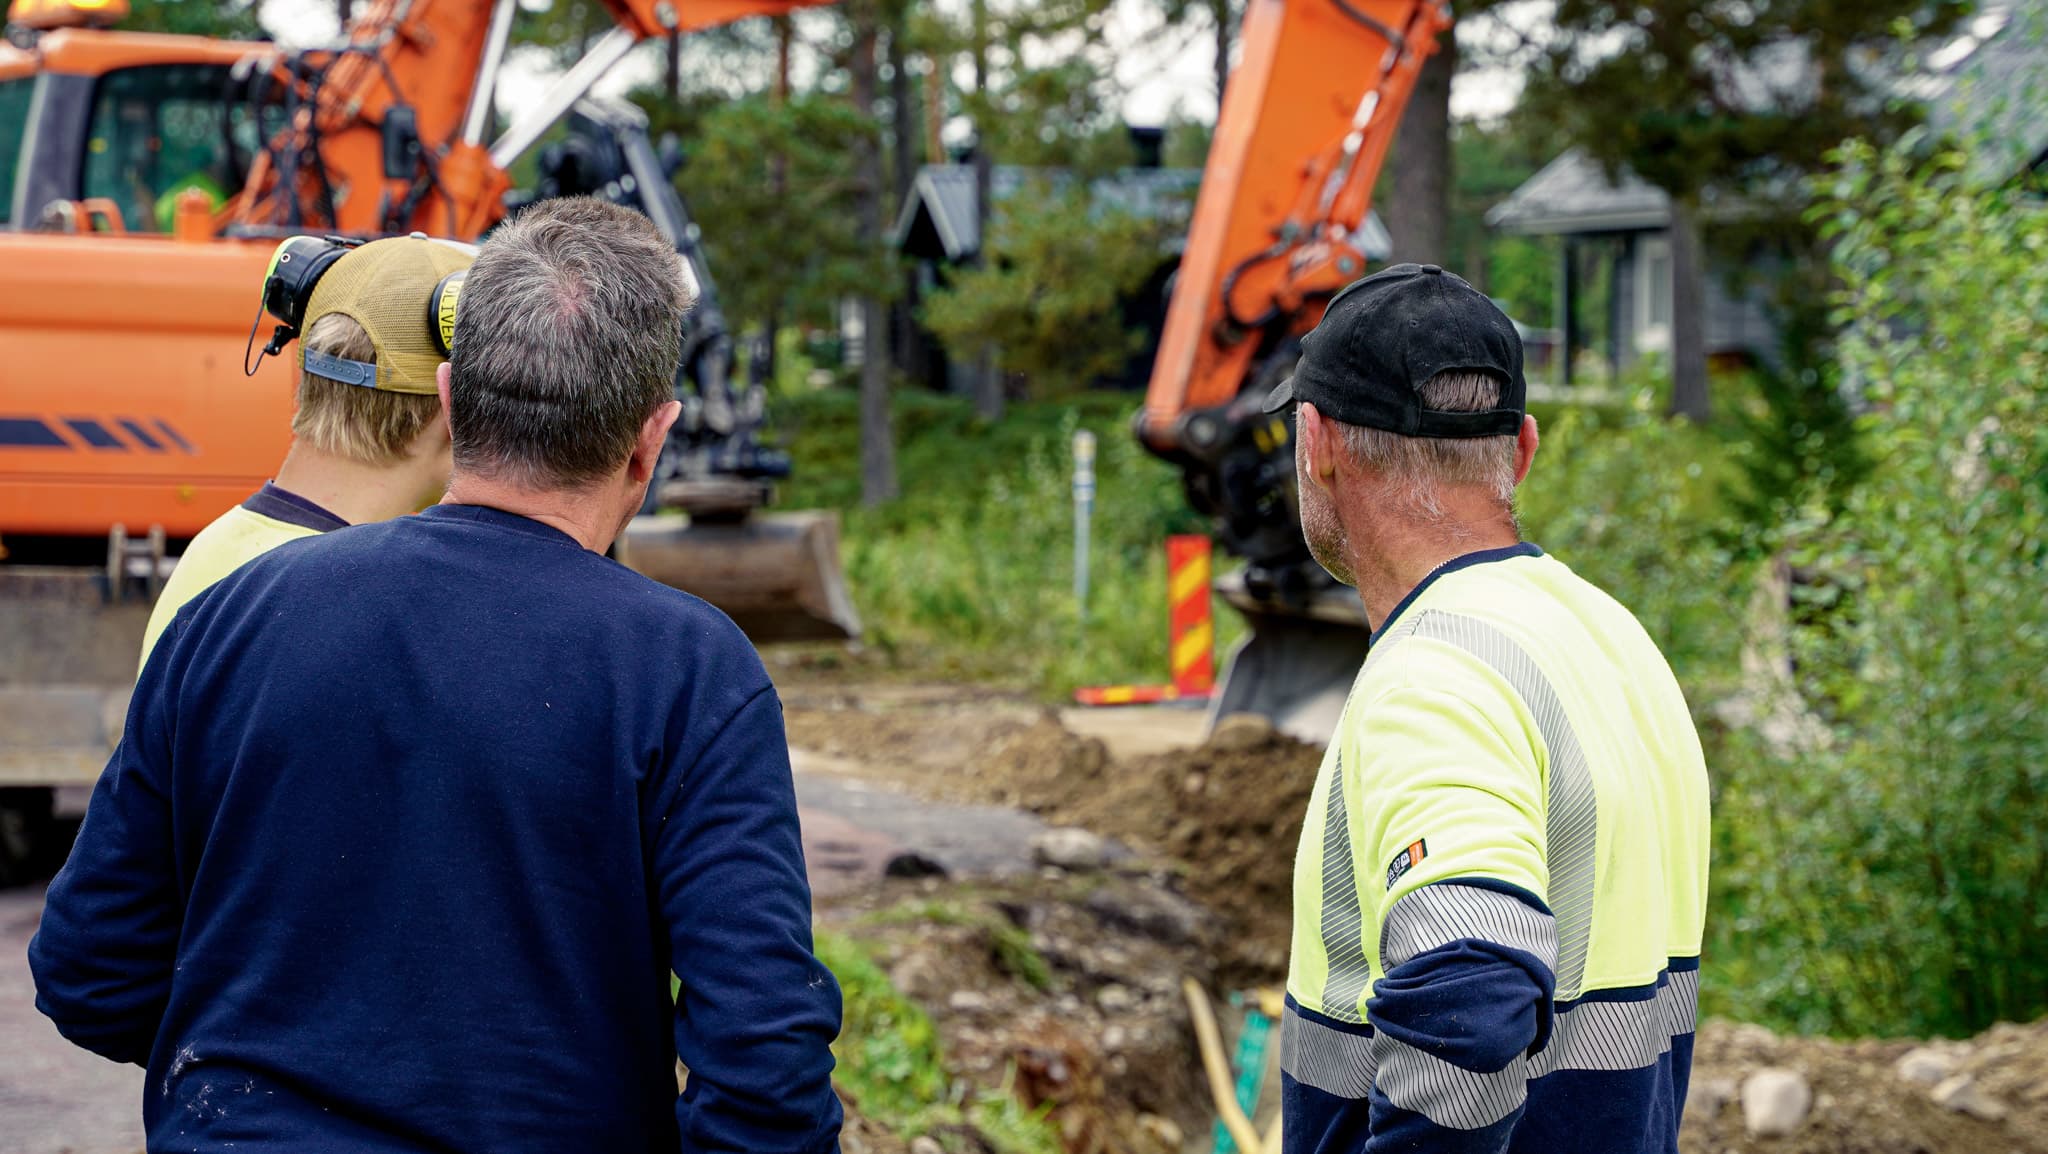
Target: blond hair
{"x": 373, "y": 426}
{"x": 1418, "y": 469}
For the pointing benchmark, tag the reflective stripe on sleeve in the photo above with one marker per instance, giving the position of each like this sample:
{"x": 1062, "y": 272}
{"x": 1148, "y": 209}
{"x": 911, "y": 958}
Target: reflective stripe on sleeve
{"x": 1447, "y": 1094}
{"x": 1434, "y": 916}
{"x": 1604, "y": 1035}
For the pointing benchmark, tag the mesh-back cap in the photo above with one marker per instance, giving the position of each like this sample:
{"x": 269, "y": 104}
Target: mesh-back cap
{"x": 387, "y": 286}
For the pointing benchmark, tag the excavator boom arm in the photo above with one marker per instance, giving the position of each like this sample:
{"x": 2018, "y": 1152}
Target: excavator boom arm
{"x": 1310, "y": 111}
{"x": 408, "y": 100}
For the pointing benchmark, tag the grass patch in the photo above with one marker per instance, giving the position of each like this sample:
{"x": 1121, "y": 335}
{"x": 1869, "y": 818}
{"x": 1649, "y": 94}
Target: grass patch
{"x": 892, "y": 1065}
{"x": 1009, "y": 945}
{"x": 969, "y": 573}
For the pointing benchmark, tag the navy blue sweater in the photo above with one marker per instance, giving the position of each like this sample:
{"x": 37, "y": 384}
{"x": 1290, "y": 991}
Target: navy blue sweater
{"x": 409, "y": 826}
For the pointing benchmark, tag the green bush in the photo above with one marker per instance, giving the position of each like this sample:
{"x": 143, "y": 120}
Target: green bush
{"x": 1048, "y": 302}
{"x": 1894, "y": 877}
{"x": 1630, "y": 501}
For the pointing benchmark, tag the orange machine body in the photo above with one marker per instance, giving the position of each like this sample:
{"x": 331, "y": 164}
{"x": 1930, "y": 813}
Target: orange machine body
{"x": 122, "y": 396}
{"x": 123, "y": 400}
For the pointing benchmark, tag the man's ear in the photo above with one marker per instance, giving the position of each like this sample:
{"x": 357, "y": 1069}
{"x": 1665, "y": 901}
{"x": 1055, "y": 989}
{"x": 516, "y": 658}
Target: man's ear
{"x": 653, "y": 435}
{"x": 1318, "y": 443}
{"x": 1525, "y": 447}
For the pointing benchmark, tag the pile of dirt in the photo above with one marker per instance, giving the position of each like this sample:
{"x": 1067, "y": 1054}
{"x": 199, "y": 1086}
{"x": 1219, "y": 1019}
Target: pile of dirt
{"x": 1226, "y": 816}
{"x": 1874, "y": 1097}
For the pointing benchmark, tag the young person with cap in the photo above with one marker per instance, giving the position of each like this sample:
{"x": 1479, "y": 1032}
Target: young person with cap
{"x": 1501, "y": 883}
{"x": 369, "y": 440}
{"x": 411, "y": 823}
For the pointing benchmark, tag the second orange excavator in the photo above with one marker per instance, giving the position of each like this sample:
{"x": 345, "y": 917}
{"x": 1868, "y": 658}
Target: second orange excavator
{"x": 1307, "y": 119}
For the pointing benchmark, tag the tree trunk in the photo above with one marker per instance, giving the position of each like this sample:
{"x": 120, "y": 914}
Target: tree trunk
{"x": 1417, "y": 209}
{"x": 1226, "y": 26}
{"x": 672, "y": 83}
{"x": 934, "y": 110}
{"x": 778, "y": 186}
{"x": 988, "y": 379}
{"x": 903, "y": 149}
{"x": 1688, "y": 314}
{"x": 877, "y": 438}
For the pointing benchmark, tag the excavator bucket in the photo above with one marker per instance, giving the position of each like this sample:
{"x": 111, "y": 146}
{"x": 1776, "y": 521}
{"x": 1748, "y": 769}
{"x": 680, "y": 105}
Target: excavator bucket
{"x": 776, "y": 575}
{"x": 1296, "y": 665}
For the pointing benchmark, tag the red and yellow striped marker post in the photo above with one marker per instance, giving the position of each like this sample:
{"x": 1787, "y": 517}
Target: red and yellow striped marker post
{"x": 1191, "y": 633}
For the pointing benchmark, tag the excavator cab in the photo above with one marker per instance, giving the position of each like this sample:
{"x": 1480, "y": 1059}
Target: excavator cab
{"x": 127, "y": 123}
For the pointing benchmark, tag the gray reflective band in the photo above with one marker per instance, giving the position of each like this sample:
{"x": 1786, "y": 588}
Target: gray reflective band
{"x": 1571, "y": 833}
{"x": 1622, "y": 1035}
{"x": 1448, "y": 1095}
{"x": 1434, "y": 916}
{"x": 347, "y": 372}
{"x": 1343, "y": 922}
{"x": 1333, "y": 1061}
{"x": 1601, "y": 1036}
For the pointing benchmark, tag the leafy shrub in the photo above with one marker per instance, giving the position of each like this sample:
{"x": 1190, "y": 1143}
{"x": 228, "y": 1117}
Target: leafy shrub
{"x": 1047, "y": 302}
{"x": 1629, "y": 501}
{"x": 970, "y": 573}
{"x": 1894, "y": 878}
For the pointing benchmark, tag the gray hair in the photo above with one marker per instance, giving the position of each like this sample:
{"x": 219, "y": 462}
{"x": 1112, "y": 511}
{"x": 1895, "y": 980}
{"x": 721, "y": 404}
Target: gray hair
{"x": 1418, "y": 469}
{"x": 567, "y": 339}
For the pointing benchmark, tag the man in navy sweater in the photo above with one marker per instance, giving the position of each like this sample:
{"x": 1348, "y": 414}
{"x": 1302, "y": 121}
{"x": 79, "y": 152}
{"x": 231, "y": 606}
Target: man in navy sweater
{"x": 412, "y": 821}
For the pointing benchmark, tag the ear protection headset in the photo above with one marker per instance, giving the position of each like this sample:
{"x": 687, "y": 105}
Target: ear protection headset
{"x": 297, "y": 266}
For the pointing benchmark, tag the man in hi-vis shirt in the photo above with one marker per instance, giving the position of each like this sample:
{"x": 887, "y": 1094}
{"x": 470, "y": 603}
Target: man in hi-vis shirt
{"x": 1500, "y": 889}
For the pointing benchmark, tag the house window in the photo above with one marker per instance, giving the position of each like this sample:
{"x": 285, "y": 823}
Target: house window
{"x": 1653, "y": 293}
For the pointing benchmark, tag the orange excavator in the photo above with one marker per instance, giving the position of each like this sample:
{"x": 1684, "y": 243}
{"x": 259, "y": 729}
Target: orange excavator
{"x": 1278, "y": 229}
{"x": 145, "y": 181}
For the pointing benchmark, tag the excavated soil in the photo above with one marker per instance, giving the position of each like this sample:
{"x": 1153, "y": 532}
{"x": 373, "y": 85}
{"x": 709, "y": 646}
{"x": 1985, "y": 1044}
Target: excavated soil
{"x": 1223, "y": 816}
{"x": 1226, "y": 815}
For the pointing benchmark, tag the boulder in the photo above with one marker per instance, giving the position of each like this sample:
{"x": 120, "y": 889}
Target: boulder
{"x": 1775, "y": 1102}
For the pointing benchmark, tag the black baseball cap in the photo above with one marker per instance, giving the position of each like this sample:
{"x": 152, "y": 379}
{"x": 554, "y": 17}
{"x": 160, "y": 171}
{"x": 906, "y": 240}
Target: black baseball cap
{"x": 1385, "y": 336}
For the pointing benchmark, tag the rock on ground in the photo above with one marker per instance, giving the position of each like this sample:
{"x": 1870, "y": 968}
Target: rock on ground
{"x": 1775, "y": 1102}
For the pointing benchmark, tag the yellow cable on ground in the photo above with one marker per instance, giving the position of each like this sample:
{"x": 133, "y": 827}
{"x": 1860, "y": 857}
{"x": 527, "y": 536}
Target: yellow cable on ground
{"x": 1210, "y": 1040}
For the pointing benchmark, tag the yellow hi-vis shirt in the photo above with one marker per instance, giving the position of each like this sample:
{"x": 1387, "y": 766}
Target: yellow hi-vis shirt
{"x": 270, "y": 517}
{"x": 1500, "y": 889}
